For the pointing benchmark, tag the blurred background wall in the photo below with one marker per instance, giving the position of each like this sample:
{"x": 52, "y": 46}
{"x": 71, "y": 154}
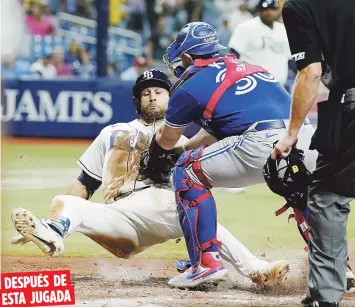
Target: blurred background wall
{"x": 77, "y": 60}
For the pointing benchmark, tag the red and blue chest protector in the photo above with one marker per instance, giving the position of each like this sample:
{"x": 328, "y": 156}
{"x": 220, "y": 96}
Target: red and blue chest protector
{"x": 226, "y": 96}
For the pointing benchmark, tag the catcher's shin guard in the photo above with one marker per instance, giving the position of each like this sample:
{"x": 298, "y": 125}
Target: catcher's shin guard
{"x": 196, "y": 208}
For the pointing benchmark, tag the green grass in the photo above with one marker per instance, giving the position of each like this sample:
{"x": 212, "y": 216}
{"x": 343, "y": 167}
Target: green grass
{"x": 25, "y": 156}
{"x": 249, "y": 215}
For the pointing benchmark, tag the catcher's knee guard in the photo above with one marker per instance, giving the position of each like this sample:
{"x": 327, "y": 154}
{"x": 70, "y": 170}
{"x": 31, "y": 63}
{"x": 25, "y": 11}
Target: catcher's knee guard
{"x": 196, "y": 207}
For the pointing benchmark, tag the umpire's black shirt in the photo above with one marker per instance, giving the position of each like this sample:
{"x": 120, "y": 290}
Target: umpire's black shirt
{"x": 323, "y": 30}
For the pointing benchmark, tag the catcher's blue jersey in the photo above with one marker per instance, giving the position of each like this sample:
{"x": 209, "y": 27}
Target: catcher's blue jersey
{"x": 255, "y": 98}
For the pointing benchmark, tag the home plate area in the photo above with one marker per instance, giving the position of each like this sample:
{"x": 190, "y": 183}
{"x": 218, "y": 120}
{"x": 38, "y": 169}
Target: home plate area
{"x": 142, "y": 282}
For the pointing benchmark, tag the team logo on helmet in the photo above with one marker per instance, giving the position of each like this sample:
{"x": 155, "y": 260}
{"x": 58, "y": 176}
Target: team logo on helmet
{"x": 204, "y": 30}
{"x": 210, "y": 39}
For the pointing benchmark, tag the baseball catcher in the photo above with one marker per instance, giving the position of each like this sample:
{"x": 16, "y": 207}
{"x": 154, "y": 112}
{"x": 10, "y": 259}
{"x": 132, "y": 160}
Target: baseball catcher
{"x": 243, "y": 110}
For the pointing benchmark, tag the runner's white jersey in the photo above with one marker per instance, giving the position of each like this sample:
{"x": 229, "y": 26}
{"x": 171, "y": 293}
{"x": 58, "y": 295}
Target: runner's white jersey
{"x": 113, "y": 158}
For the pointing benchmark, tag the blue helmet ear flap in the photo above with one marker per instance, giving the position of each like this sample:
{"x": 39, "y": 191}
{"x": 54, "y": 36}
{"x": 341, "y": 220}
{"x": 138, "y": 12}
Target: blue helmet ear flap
{"x": 178, "y": 71}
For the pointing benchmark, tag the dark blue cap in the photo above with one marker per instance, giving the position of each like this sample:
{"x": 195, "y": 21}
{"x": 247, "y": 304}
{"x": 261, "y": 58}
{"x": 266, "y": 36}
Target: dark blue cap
{"x": 150, "y": 78}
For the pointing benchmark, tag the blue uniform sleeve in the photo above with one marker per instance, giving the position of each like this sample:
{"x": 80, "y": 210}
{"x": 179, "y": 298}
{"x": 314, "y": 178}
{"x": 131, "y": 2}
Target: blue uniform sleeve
{"x": 183, "y": 109}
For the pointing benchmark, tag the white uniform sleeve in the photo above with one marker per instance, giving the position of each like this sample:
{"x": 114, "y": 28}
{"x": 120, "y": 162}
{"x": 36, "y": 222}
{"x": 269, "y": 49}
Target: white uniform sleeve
{"x": 92, "y": 160}
{"x": 239, "y": 39}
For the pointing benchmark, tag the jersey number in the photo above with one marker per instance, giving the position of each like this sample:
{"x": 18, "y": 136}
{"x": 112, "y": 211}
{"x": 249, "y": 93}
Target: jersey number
{"x": 248, "y": 83}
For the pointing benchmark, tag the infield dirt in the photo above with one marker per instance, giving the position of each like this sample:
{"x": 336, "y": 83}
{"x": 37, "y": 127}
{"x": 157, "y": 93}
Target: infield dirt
{"x": 113, "y": 282}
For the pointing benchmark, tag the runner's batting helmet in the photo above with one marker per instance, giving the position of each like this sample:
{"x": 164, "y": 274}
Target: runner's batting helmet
{"x": 149, "y": 78}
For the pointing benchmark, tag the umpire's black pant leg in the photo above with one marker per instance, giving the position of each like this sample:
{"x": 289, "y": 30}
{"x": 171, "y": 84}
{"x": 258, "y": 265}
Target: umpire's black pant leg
{"x": 328, "y": 244}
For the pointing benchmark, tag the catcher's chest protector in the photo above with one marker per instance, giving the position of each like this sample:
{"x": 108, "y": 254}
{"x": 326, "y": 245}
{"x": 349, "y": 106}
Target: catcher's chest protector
{"x": 235, "y": 71}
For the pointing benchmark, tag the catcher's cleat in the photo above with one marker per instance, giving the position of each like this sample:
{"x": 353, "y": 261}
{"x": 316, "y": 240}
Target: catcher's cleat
{"x": 210, "y": 271}
{"x": 273, "y": 274}
{"x": 40, "y": 232}
{"x": 19, "y": 239}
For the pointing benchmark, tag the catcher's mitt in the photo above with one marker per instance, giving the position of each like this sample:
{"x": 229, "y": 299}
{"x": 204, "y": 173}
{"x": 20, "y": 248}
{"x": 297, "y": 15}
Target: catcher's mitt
{"x": 289, "y": 178}
{"x": 159, "y": 170}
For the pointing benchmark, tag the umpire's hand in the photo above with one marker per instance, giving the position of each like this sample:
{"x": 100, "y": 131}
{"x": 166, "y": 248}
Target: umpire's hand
{"x": 283, "y": 147}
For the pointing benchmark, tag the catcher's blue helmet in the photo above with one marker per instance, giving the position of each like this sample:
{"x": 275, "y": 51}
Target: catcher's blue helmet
{"x": 195, "y": 38}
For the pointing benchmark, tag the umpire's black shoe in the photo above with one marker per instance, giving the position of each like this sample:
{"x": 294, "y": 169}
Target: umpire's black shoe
{"x": 309, "y": 302}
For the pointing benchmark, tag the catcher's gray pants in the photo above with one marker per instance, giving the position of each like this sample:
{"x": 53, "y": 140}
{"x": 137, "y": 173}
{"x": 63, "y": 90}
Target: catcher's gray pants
{"x": 237, "y": 161}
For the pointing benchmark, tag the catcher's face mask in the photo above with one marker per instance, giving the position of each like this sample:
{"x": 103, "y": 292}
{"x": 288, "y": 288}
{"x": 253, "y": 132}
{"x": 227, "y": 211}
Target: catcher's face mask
{"x": 289, "y": 177}
{"x": 174, "y": 66}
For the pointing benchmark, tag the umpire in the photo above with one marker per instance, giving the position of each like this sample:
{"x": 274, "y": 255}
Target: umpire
{"x": 324, "y": 51}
